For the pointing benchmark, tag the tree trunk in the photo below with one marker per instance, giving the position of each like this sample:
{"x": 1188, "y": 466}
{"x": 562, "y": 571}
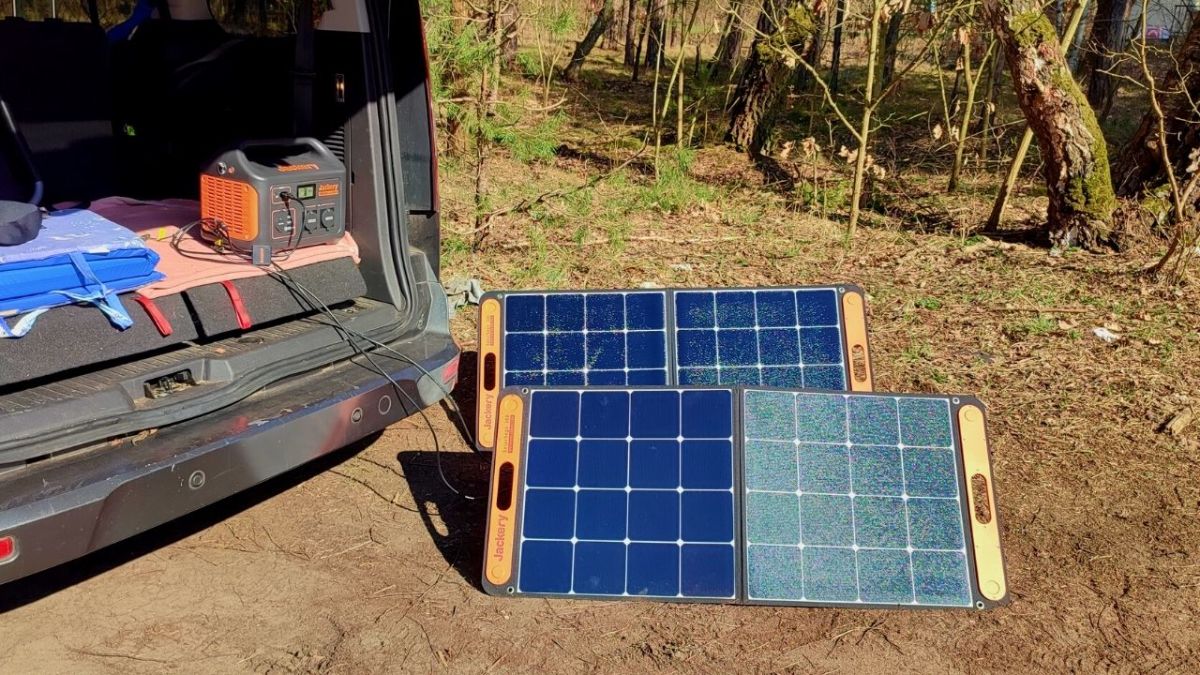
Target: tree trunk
{"x": 816, "y": 46}
{"x": 1140, "y": 167}
{"x": 1073, "y": 152}
{"x": 631, "y": 46}
{"x": 835, "y": 61}
{"x": 891, "y": 44}
{"x": 730, "y": 44}
{"x": 1107, "y": 37}
{"x": 783, "y": 29}
{"x": 510, "y": 15}
{"x": 658, "y": 33}
{"x": 584, "y": 47}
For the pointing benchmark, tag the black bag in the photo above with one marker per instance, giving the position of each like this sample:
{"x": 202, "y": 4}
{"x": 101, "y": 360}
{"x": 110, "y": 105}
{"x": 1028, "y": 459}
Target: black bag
{"x": 19, "y": 223}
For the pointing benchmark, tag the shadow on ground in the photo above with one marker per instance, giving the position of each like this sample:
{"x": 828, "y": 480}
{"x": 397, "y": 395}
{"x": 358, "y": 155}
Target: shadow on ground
{"x": 43, "y": 584}
{"x": 456, "y": 522}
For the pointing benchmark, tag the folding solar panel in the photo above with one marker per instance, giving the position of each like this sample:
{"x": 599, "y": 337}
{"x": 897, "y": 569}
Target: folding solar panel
{"x": 745, "y": 495}
{"x": 809, "y": 337}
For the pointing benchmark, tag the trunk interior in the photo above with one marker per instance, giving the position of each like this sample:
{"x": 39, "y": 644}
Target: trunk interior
{"x": 123, "y": 129}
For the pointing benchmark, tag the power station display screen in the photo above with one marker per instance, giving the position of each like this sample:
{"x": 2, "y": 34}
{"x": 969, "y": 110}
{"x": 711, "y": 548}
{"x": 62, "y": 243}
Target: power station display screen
{"x": 306, "y": 191}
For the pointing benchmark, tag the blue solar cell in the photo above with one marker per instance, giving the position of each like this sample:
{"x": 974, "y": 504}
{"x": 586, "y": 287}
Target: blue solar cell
{"x": 654, "y": 414}
{"x": 600, "y": 514}
{"x": 770, "y": 465}
{"x": 646, "y": 377}
{"x": 645, "y": 311}
{"x": 873, "y": 421}
{"x": 527, "y": 377}
{"x": 654, "y": 464}
{"x": 550, "y": 463}
{"x": 605, "y": 378}
{"x": 654, "y": 515}
{"x": 935, "y": 523}
{"x": 564, "y": 312}
{"x": 697, "y": 348}
{"x": 602, "y": 463}
{"x": 554, "y": 414}
{"x": 653, "y": 570}
{"x": 735, "y": 309}
{"x": 599, "y": 568}
{"x": 940, "y": 578}
{"x": 646, "y": 350}
{"x": 885, "y": 577}
{"x": 706, "y": 570}
{"x": 824, "y": 468}
{"x": 706, "y": 516}
{"x": 821, "y": 345}
{"x": 775, "y": 573}
{"x": 707, "y": 414}
{"x": 930, "y": 473}
{"x": 826, "y": 520}
{"x": 821, "y": 418}
{"x": 830, "y": 574}
{"x": 787, "y": 377}
{"x": 545, "y": 566}
{"x": 606, "y": 351}
{"x": 737, "y": 347}
{"x": 776, "y": 308}
{"x": 525, "y": 352}
{"x": 735, "y": 376}
{"x": 779, "y": 346}
{"x": 771, "y": 414}
{"x": 925, "y": 422}
{"x": 824, "y": 377}
{"x": 698, "y": 376}
{"x": 817, "y": 307}
{"x": 877, "y": 470}
{"x": 566, "y": 378}
{"x": 707, "y": 465}
{"x": 524, "y": 313}
{"x": 773, "y": 518}
{"x": 564, "y": 351}
{"x": 549, "y": 514}
{"x": 605, "y": 311}
{"x": 695, "y": 310}
{"x": 604, "y": 414}
{"x": 879, "y": 522}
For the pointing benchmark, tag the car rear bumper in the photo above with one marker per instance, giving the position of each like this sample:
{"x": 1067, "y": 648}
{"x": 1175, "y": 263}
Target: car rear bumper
{"x": 63, "y": 508}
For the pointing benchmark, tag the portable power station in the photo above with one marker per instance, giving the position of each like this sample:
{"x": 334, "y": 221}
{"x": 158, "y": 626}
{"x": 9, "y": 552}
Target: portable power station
{"x": 267, "y": 197}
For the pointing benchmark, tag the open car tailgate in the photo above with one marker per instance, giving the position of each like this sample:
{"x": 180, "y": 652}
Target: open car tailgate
{"x": 62, "y": 508}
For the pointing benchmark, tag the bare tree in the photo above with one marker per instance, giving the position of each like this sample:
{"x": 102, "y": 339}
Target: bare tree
{"x": 1074, "y": 155}
{"x": 604, "y": 17}
{"x": 657, "y": 32}
{"x": 729, "y": 46}
{"x": 1106, "y": 38}
{"x": 631, "y": 43}
{"x": 783, "y": 29}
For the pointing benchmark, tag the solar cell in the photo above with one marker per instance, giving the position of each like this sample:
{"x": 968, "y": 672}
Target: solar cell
{"x": 751, "y": 495}
{"x": 788, "y": 337}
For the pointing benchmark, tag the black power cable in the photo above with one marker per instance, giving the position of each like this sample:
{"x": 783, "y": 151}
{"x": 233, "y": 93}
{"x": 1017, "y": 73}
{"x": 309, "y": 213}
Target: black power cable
{"x": 349, "y": 335}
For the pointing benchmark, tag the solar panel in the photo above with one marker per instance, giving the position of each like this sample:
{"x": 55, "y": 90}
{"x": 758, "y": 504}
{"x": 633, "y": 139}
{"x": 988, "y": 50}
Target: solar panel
{"x": 812, "y": 337}
{"x": 760, "y": 496}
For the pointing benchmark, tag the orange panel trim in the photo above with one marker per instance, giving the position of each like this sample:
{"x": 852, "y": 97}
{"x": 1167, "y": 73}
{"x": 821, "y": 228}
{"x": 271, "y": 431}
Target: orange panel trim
{"x": 233, "y": 203}
{"x": 854, "y": 314}
{"x": 985, "y": 530}
{"x": 506, "y": 467}
{"x": 489, "y": 372}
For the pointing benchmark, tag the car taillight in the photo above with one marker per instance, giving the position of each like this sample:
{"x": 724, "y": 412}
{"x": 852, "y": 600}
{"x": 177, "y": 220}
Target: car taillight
{"x": 8, "y": 549}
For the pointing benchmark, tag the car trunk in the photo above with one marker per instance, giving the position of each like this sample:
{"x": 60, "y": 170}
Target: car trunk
{"x": 126, "y": 137}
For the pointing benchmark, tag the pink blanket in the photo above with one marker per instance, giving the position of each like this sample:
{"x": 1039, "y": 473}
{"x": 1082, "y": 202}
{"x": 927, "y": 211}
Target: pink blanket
{"x": 158, "y": 221}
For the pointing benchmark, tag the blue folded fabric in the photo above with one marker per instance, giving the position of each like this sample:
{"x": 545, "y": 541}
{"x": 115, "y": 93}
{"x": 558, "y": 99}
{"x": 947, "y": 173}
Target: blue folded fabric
{"x": 78, "y": 256}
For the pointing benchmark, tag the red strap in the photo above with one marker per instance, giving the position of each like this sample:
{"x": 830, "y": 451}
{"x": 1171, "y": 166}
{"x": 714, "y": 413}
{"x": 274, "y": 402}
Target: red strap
{"x": 160, "y": 320}
{"x": 239, "y": 307}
